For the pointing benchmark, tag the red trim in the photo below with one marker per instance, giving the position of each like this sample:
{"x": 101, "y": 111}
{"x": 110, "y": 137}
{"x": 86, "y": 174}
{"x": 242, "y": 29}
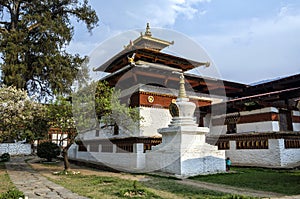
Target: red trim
{"x": 296, "y": 119}
{"x": 262, "y": 117}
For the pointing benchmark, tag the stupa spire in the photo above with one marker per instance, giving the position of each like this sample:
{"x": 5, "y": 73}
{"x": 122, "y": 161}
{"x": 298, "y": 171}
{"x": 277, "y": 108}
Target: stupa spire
{"x": 148, "y": 32}
{"x": 182, "y": 92}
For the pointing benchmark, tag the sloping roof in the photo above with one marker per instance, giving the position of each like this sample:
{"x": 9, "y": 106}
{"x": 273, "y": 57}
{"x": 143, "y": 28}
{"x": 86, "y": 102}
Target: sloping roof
{"x": 277, "y": 84}
{"x": 286, "y": 90}
{"x": 121, "y": 59}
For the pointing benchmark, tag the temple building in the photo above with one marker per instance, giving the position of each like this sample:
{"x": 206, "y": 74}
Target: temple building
{"x": 256, "y": 125}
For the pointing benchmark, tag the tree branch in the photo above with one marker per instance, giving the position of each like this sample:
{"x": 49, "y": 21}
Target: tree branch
{"x": 3, "y": 30}
{"x": 36, "y": 25}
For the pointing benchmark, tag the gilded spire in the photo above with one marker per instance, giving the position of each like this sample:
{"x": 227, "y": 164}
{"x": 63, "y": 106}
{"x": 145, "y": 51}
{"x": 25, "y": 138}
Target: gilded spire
{"x": 182, "y": 93}
{"x": 148, "y": 32}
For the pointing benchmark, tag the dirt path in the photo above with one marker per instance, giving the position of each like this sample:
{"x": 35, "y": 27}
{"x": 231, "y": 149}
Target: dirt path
{"x": 47, "y": 170}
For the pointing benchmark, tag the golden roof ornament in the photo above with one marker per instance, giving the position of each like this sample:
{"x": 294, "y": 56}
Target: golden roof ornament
{"x": 148, "y": 32}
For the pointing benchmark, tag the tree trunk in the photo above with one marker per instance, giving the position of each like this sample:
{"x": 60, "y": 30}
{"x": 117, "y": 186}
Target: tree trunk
{"x": 66, "y": 160}
{"x": 98, "y": 127}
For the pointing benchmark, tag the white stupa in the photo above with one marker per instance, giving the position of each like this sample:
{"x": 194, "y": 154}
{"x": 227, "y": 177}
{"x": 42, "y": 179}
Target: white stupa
{"x": 183, "y": 151}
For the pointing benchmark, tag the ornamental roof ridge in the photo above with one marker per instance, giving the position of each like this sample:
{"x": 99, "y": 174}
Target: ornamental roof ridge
{"x": 147, "y": 41}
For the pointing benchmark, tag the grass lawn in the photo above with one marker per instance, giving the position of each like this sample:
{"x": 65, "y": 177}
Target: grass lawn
{"x": 186, "y": 191}
{"x": 278, "y": 181}
{"x": 5, "y": 183}
{"x": 113, "y": 187}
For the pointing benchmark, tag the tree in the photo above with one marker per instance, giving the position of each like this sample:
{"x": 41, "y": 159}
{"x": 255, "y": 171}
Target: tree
{"x": 19, "y": 115}
{"x": 33, "y": 37}
{"x": 60, "y": 116}
{"x": 80, "y": 114}
{"x": 108, "y": 108}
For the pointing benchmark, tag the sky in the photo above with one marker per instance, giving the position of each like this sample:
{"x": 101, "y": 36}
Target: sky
{"x": 247, "y": 40}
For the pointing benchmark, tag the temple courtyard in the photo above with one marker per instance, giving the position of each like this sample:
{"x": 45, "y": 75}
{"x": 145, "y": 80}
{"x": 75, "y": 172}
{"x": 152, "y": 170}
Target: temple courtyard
{"x": 37, "y": 180}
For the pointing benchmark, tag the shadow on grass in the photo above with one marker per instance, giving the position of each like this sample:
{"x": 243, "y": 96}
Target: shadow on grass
{"x": 278, "y": 181}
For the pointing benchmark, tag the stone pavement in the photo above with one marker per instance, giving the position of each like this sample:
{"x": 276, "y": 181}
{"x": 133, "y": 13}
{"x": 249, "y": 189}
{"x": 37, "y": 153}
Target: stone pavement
{"x": 33, "y": 184}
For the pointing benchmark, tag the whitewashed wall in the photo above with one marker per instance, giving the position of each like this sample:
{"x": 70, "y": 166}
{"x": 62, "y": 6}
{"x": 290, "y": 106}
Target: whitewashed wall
{"x": 267, "y": 126}
{"x": 185, "y": 153}
{"x": 15, "y": 148}
{"x": 154, "y": 118}
{"x": 276, "y": 155}
{"x": 122, "y": 161}
{"x": 264, "y": 126}
{"x": 218, "y": 130}
{"x": 290, "y": 157}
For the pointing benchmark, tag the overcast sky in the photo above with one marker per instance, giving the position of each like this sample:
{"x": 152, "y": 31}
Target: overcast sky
{"x": 248, "y": 40}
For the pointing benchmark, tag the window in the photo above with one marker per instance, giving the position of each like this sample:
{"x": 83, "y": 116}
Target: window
{"x": 285, "y": 120}
{"x": 107, "y": 148}
{"x": 231, "y": 121}
{"x": 231, "y": 128}
{"x": 94, "y": 148}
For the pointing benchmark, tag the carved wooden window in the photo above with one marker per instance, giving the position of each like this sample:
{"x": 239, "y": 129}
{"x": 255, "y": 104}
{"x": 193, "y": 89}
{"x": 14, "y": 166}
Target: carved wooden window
{"x": 231, "y": 121}
{"x": 94, "y": 148}
{"x": 107, "y": 148}
{"x": 124, "y": 148}
{"x": 81, "y": 147}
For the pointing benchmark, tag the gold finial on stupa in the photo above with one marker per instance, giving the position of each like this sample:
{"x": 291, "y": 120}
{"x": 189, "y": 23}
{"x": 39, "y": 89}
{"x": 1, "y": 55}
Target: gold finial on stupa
{"x": 148, "y": 32}
{"x": 182, "y": 93}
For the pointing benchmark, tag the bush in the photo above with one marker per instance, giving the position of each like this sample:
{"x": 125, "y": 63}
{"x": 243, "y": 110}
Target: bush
{"x": 12, "y": 194}
{"x": 5, "y": 157}
{"x": 48, "y": 150}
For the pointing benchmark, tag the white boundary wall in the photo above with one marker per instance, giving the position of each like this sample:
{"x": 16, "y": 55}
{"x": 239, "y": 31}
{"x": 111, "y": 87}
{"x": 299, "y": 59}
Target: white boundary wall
{"x": 153, "y": 119}
{"x": 264, "y": 126}
{"x": 275, "y": 156}
{"x": 123, "y": 161}
{"x": 15, "y": 148}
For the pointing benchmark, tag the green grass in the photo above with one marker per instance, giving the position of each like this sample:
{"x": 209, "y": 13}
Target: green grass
{"x": 112, "y": 187}
{"x": 278, "y": 181}
{"x": 103, "y": 187}
{"x": 5, "y": 183}
{"x": 185, "y": 191}
{"x": 7, "y": 188}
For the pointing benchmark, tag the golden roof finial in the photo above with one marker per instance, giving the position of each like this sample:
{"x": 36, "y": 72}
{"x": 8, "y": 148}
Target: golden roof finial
{"x": 148, "y": 32}
{"x": 182, "y": 93}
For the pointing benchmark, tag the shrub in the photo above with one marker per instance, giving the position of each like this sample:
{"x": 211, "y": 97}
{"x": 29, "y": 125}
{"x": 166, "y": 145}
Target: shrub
{"x": 48, "y": 150}
{"x": 5, "y": 157}
{"x": 12, "y": 194}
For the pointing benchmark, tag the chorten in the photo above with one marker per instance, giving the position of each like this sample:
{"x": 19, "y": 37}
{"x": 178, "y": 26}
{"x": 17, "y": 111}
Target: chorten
{"x": 183, "y": 151}
{"x": 185, "y": 108}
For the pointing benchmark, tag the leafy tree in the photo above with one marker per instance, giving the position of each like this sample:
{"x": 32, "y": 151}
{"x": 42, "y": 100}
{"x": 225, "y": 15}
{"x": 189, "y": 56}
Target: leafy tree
{"x": 81, "y": 113}
{"x": 19, "y": 115}
{"x": 60, "y": 116}
{"x": 101, "y": 103}
{"x": 33, "y": 39}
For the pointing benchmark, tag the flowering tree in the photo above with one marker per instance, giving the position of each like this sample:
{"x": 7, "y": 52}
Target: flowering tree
{"x": 20, "y": 117}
